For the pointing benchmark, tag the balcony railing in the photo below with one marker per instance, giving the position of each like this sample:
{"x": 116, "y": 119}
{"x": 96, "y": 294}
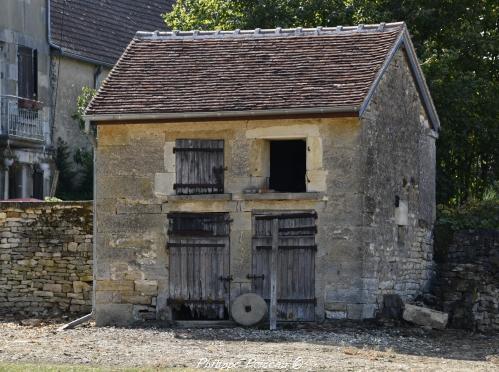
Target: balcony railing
{"x": 22, "y": 118}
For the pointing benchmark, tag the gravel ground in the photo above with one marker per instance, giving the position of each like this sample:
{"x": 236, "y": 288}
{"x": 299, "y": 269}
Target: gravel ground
{"x": 351, "y": 347}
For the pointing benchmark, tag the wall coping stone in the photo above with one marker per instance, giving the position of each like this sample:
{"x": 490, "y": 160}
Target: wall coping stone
{"x": 28, "y": 205}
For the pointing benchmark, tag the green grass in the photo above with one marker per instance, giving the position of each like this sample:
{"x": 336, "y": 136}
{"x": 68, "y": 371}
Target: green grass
{"x": 31, "y": 367}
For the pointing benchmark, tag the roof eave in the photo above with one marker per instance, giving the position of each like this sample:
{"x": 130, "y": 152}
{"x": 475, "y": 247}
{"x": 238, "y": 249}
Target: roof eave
{"x": 78, "y": 57}
{"x": 219, "y": 114}
{"x": 405, "y": 41}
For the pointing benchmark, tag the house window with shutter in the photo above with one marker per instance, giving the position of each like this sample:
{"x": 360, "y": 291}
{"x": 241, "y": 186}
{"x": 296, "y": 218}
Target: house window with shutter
{"x": 27, "y": 69}
{"x": 199, "y": 166}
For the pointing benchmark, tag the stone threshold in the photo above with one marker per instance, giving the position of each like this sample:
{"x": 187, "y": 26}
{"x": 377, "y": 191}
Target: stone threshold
{"x": 225, "y": 197}
{"x": 255, "y": 196}
{"x": 280, "y": 196}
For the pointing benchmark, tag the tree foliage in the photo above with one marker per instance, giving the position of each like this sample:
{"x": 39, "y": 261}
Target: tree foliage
{"x": 457, "y": 43}
{"x": 75, "y": 183}
{"x": 248, "y": 14}
{"x": 85, "y": 160}
{"x": 76, "y": 170}
{"x": 82, "y": 102}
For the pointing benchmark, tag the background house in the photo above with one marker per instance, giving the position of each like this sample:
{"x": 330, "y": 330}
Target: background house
{"x": 206, "y": 138}
{"x": 86, "y": 39}
{"x": 25, "y": 101}
{"x": 49, "y": 51}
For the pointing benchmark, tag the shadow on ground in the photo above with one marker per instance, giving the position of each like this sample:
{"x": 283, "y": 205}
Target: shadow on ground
{"x": 401, "y": 338}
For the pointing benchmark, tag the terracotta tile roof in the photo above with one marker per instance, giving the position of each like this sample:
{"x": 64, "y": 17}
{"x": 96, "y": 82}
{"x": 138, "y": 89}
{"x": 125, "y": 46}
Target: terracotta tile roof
{"x": 205, "y": 72}
{"x": 100, "y": 30}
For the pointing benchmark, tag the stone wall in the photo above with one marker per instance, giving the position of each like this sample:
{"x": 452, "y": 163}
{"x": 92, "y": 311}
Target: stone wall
{"x": 467, "y": 284}
{"x": 398, "y": 156}
{"x": 45, "y": 258}
{"x": 134, "y": 194}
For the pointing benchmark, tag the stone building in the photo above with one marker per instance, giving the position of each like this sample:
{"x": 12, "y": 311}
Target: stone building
{"x": 49, "y": 50}
{"x": 86, "y": 39}
{"x": 25, "y": 135}
{"x": 216, "y": 151}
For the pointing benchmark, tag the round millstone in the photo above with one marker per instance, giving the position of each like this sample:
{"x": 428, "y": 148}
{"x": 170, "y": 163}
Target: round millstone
{"x": 248, "y": 309}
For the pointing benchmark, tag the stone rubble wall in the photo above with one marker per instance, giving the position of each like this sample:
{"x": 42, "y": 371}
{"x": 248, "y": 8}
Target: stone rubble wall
{"x": 398, "y": 209}
{"x": 467, "y": 283}
{"x": 46, "y": 266}
{"x": 45, "y": 258}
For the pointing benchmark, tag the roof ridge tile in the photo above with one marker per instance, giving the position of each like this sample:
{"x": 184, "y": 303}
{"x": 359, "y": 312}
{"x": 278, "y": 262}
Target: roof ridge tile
{"x": 272, "y": 32}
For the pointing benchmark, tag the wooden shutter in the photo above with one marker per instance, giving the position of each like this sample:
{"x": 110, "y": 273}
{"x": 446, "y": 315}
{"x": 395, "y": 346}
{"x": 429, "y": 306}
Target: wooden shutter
{"x": 198, "y": 245}
{"x": 295, "y": 262}
{"x": 199, "y": 166}
{"x": 27, "y": 72}
{"x": 35, "y": 74}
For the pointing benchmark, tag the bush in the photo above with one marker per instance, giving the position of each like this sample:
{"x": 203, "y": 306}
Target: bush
{"x": 476, "y": 214}
{"x": 75, "y": 183}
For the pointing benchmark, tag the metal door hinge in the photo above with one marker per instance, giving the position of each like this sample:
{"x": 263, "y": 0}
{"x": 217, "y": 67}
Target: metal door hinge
{"x": 251, "y": 276}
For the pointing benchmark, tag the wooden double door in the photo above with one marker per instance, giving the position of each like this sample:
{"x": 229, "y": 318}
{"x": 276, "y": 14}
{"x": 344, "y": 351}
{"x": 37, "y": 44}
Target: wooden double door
{"x": 199, "y": 254}
{"x": 295, "y": 262}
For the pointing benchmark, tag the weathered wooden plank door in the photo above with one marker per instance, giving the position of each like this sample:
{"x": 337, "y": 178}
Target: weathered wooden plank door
{"x": 198, "y": 246}
{"x": 295, "y": 262}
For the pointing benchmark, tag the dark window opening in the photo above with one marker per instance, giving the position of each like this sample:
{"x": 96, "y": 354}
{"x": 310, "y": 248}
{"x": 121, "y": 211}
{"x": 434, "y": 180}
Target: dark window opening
{"x": 199, "y": 166}
{"x": 38, "y": 184}
{"x": 27, "y": 69}
{"x": 15, "y": 182}
{"x": 2, "y": 185}
{"x": 288, "y": 166}
{"x": 397, "y": 201}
